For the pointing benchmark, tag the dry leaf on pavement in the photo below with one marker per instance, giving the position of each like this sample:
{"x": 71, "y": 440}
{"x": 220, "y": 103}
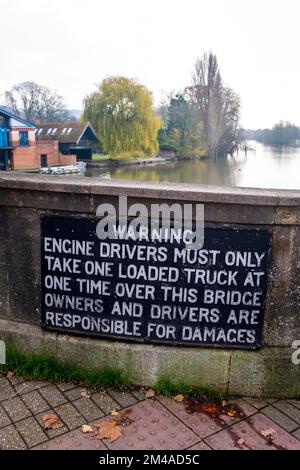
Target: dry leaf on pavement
{"x": 51, "y": 421}
{"x": 114, "y": 413}
{"x": 85, "y": 394}
{"x": 241, "y": 441}
{"x": 179, "y": 398}
{"x": 115, "y": 434}
{"x": 86, "y": 428}
{"x": 150, "y": 394}
{"x": 108, "y": 430}
{"x": 10, "y": 374}
{"x": 123, "y": 419}
{"x": 268, "y": 432}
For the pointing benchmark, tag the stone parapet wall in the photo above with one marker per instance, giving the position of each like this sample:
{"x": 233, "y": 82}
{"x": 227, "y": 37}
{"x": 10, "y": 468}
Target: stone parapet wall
{"x": 269, "y": 371}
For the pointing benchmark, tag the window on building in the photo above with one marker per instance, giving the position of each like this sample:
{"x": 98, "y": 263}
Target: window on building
{"x": 64, "y": 130}
{"x": 39, "y": 131}
{"x": 69, "y": 131}
{"x": 23, "y": 138}
{"x": 49, "y": 131}
{"x": 44, "y": 161}
{"x": 54, "y": 131}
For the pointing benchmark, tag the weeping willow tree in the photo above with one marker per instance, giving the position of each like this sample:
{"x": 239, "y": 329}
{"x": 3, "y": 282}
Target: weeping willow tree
{"x": 121, "y": 112}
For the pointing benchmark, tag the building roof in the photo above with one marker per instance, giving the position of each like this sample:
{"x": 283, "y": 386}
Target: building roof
{"x": 66, "y": 132}
{"x": 15, "y": 120}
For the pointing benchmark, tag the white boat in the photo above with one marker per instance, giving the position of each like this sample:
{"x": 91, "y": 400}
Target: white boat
{"x": 63, "y": 170}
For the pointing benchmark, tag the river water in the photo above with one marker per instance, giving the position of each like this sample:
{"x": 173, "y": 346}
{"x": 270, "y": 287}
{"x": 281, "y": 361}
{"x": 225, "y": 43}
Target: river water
{"x": 263, "y": 167}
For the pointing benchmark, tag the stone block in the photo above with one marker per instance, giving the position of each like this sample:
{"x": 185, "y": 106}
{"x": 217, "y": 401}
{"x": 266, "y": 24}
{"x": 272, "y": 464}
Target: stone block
{"x": 265, "y": 373}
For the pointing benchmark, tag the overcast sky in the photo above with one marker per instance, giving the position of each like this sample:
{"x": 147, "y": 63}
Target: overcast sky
{"x": 71, "y": 45}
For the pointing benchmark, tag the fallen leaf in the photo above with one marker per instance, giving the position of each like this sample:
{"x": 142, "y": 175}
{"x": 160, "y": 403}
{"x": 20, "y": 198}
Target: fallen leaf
{"x": 268, "y": 432}
{"x": 115, "y": 434}
{"x": 179, "y": 398}
{"x": 85, "y": 394}
{"x": 51, "y": 421}
{"x": 150, "y": 394}
{"x": 10, "y": 374}
{"x": 123, "y": 419}
{"x": 231, "y": 413}
{"x": 211, "y": 409}
{"x": 241, "y": 442}
{"x": 108, "y": 430}
{"x": 86, "y": 428}
{"x": 114, "y": 413}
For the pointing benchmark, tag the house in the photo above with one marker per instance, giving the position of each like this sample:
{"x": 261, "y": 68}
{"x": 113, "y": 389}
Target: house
{"x": 17, "y": 138}
{"x": 21, "y": 150}
{"x": 73, "y": 138}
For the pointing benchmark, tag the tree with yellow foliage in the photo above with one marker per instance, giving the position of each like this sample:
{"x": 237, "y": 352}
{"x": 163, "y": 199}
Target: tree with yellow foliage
{"x": 121, "y": 112}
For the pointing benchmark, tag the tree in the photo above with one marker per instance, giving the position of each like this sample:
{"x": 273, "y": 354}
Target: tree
{"x": 183, "y": 132}
{"x": 219, "y": 106}
{"x": 33, "y": 101}
{"x": 121, "y": 111}
{"x": 282, "y": 133}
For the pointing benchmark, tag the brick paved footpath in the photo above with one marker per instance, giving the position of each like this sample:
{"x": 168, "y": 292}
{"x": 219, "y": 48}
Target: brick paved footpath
{"x": 158, "y": 424}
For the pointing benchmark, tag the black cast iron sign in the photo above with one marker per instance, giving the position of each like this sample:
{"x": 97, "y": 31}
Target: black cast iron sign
{"x": 152, "y": 291}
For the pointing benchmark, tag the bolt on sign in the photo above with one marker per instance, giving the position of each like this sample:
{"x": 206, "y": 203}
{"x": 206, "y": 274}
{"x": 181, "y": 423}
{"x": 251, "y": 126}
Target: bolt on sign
{"x": 153, "y": 290}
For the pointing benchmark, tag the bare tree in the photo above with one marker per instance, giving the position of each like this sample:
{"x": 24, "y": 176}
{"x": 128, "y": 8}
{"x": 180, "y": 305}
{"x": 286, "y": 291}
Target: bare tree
{"x": 218, "y": 105}
{"x": 33, "y": 101}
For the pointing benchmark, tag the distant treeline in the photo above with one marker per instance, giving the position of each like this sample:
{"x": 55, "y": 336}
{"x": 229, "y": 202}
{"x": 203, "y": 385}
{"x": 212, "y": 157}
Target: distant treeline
{"x": 283, "y": 133}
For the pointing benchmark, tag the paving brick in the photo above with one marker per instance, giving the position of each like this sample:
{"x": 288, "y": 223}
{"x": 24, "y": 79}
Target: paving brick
{"x": 53, "y": 396}
{"x": 287, "y": 423}
{"x": 15, "y": 380}
{"x": 11, "y": 439}
{"x": 200, "y": 446}
{"x": 139, "y": 394}
{"x": 74, "y": 440}
{"x": 35, "y": 402}
{"x": 6, "y": 390}
{"x": 153, "y": 428}
{"x": 250, "y": 431}
{"x": 105, "y": 402}
{"x": 123, "y": 398}
{"x": 203, "y": 424}
{"x": 296, "y": 434}
{"x": 70, "y": 415}
{"x": 16, "y": 409}
{"x": 290, "y": 410}
{"x": 88, "y": 409}
{"x": 295, "y": 403}
{"x": 259, "y": 403}
{"x": 52, "y": 433}
{"x": 29, "y": 386}
{"x": 74, "y": 394}
{"x": 31, "y": 432}
{"x": 63, "y": 387}
{"x": 4, "y": 419}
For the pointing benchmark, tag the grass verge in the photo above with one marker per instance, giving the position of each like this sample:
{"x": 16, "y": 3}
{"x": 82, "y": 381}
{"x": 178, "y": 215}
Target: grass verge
{"x": 44, "y": 367}
{"x": 98, "y": 157}
{"x": 164, "y": 386}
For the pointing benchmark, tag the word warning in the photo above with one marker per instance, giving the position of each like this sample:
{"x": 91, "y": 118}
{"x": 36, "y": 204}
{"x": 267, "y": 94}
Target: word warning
{"x": 150, "y": 288}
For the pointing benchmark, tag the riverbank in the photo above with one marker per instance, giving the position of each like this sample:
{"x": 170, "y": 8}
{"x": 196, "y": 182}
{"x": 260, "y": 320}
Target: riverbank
{"x": 109, "y": 162}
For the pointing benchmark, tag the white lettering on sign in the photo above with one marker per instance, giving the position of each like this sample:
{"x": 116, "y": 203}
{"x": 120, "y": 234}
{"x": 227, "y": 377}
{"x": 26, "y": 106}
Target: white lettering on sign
{"x": 150, "y": 289}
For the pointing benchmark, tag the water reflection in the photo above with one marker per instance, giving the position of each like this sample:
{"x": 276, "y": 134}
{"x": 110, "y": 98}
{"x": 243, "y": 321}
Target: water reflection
{"x": 266, "y": 167}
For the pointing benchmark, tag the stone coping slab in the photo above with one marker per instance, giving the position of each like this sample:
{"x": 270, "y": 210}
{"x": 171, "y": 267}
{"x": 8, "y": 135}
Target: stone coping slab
{"x": 184, "y": 192}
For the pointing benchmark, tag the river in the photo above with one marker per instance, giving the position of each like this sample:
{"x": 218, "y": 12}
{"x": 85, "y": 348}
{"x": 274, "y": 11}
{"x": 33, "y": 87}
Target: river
{"x": 263, "y": 167}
